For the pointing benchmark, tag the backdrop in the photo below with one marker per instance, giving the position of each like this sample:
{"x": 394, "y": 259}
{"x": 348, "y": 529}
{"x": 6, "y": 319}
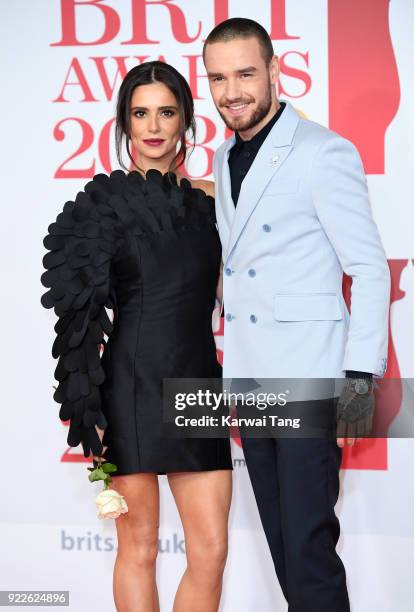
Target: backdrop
{"x": 345, "y": 64}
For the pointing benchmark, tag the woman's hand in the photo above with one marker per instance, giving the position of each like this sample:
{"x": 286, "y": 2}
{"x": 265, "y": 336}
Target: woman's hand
{"x": 100, "y": 433}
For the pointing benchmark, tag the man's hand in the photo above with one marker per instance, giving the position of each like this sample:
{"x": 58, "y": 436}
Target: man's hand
{"x": 355, "y": 410}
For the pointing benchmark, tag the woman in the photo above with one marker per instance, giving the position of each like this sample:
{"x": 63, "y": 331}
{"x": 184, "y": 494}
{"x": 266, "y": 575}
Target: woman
{"x": 144, "y": 244}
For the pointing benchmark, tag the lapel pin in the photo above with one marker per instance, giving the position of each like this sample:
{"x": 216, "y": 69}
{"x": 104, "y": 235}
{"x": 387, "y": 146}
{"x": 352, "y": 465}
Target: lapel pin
{"x": 275, "y": 159}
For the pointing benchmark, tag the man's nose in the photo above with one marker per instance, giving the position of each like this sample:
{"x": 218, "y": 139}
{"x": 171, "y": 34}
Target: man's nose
{"x": 233, "y": 91}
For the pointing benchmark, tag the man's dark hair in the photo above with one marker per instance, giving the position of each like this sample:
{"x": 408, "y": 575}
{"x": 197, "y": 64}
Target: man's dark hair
{"x": 239, "y": 27}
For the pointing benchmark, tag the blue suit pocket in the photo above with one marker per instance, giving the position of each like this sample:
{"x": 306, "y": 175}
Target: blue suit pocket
{"x": 307, "y": 307}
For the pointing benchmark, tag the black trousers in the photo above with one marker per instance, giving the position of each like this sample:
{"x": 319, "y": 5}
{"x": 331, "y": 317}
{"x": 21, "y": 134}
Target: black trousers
{"x": 296, "y": 485}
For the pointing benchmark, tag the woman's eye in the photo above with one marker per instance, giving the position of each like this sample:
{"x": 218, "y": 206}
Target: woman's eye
{"x": 168, "y": 113}
{"x": 139, "y": 113}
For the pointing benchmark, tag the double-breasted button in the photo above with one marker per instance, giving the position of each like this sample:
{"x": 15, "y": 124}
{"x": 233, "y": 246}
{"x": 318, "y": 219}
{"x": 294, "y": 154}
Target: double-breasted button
{"x": 229, "y": 271}
{"x": 251, "y": 272}
{"x": 253, "y": 318}
{"x": 229, "y": 317}
{"x": 266, "y": 227}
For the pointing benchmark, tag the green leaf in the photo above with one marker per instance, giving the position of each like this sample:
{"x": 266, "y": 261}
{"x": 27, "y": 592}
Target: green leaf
{"x": 97, "y": 474}
{"x": 108, "y": 468}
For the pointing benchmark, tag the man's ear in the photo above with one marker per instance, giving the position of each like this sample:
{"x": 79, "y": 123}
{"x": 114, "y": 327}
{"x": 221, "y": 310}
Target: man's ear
{"x": 274, "y": 69}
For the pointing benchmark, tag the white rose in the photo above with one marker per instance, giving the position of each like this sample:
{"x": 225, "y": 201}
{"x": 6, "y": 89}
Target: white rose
{"x": 110, "y": 504}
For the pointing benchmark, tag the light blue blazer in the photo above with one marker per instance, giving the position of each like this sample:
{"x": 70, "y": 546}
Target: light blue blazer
{"x": 303, "y": 218}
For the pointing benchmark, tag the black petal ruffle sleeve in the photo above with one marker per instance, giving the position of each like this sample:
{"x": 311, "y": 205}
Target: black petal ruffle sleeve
{"x": 82, "y": 243}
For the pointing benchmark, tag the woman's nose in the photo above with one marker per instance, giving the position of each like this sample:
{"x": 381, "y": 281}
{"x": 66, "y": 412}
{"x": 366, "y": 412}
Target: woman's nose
{"x": 153, "y": 125}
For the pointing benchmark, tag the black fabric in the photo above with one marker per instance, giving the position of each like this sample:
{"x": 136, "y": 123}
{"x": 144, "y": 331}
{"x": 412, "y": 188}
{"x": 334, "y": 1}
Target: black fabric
{"x": 149, "y": 250}
{"x": 357, "y": 374}
{"x": 243, "y": 152}
{"x": 296, "y": 486}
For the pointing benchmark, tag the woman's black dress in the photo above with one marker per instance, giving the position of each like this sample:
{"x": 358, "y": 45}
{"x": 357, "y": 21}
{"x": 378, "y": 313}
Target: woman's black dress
{"x": 149, "y": 250}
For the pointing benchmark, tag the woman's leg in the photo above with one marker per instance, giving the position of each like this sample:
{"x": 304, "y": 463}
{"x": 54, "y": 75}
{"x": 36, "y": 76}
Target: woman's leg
{"x": 134, "y": 583}
{"x": 203, "y": 501}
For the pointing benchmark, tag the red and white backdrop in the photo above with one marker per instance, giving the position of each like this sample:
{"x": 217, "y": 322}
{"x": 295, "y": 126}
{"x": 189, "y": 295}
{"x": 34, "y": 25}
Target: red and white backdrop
{"x": 345, "y": 64}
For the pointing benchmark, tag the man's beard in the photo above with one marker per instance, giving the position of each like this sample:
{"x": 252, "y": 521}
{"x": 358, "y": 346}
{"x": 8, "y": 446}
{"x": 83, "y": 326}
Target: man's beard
{"x": 241, "y": 124}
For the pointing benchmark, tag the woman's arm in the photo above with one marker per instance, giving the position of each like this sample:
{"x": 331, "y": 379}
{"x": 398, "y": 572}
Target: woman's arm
{"x": 207, "y": 186}
{"x": 219, "y": 289}
{"x": 81, "y": 243}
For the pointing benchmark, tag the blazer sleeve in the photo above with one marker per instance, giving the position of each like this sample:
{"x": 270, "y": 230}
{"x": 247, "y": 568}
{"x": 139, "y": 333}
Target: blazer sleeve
{"x": 82, "y": 242}
{"x": 340, "y": 196}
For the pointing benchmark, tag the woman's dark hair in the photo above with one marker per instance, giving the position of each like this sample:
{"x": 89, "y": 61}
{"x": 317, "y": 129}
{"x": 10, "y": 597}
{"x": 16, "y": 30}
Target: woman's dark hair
{"x": 240, "y": 27}
{"x": 145, "y": 74}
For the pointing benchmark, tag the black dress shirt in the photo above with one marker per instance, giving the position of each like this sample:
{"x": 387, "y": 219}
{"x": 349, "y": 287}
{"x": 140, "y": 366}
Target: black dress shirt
{"x": 241, "y": 157}
{"x": 243, "y": 152}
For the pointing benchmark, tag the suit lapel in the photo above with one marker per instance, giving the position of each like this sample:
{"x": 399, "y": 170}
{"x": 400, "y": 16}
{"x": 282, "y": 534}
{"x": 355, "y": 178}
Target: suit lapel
{"x": 225, "y": 208}
{"x": 269, "y": 159}
{"x": 228, "y": 209}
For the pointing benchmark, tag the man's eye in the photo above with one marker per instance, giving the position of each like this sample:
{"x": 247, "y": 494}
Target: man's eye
{"x": 218, "y": 78}
{"x": 246, "y": 74}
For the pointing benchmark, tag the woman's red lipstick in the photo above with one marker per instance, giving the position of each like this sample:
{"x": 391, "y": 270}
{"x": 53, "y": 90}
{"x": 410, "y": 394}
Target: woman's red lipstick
{"x": 153, "y": 142}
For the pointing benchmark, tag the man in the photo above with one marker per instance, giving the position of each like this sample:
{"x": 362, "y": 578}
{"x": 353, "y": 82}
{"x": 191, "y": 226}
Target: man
{"x": 293, "y": 215}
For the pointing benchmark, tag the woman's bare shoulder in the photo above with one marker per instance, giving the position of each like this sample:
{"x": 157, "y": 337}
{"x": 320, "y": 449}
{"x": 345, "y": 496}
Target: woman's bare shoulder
{"x": 207, "y": 186}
